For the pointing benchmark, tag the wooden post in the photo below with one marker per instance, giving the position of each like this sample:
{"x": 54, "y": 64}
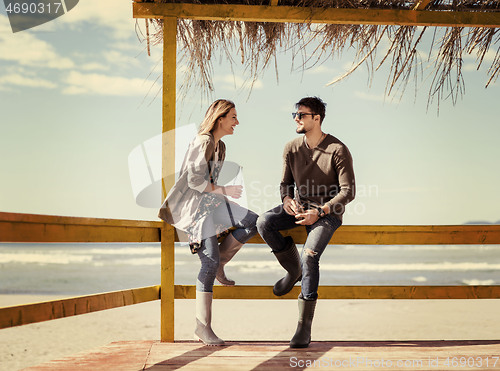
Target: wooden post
{"x": 168, "y": 171}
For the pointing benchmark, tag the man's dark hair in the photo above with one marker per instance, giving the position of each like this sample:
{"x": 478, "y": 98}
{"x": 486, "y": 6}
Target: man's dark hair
{"x": 315, "y": 104}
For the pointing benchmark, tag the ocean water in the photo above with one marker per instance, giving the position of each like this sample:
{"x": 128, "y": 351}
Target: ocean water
{"x": 79, "y": 269}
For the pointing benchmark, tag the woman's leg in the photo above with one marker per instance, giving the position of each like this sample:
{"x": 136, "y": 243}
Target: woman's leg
{"x": 245, "y": 222}
{"x": 209, "y": 257}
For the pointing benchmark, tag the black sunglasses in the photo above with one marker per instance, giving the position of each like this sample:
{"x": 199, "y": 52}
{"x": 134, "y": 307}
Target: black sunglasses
{"x": 301, "y": 114}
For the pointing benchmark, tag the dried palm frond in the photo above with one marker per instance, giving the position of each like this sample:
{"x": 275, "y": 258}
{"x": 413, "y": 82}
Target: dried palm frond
{"x": 257, "y": 45}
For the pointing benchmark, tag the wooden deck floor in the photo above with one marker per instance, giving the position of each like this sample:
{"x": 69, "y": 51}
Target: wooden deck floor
{"x": 373, "y": 355}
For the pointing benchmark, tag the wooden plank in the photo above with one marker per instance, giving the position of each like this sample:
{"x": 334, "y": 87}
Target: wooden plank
{"x": 404, "y": 235}
{"x": 350, "y": 292}
{"x": 45, "y": 311}
{"x": 168, "y": 169}
{"x": 15, "y": 227}
{"x": 290, "y": 14}
{"x": 277, "y": 355}
{"x": 73, "y": 220}
{"x": 122, "y": 356}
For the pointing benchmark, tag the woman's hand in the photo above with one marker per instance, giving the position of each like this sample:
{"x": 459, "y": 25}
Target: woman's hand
{"x": 234, "y": 191}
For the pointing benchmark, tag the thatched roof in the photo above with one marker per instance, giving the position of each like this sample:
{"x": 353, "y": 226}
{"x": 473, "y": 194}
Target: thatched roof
{"x": 256, "y": 44}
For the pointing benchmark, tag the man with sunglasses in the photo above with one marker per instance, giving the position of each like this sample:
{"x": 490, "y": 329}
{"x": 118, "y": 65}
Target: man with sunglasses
{"x": 317, "y": 183}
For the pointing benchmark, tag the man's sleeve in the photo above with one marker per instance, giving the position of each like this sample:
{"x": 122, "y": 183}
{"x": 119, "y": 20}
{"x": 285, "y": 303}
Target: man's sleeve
{"x": 287, "y": 185}
{"x": 342, "y": 162}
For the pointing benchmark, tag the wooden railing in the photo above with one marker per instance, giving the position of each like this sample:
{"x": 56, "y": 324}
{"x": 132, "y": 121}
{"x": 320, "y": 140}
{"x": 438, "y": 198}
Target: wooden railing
{"x": 45, "y": 228}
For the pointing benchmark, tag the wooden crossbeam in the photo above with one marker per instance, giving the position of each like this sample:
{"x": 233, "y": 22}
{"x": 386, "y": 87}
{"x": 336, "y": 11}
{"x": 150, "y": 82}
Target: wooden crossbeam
{"x": 38, "y": 312}
{"x": 16, "y": 227}
{"x": 404, "y": 235}
{"x": 289, "y": 14}
{"x": 350, "y": 292}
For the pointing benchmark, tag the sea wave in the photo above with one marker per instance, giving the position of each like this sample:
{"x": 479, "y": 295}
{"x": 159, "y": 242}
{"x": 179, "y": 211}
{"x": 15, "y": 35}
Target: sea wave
{"x": 42, "y": 259}
{"x": 370, "y": 267}
{"x": 476, "y": 282}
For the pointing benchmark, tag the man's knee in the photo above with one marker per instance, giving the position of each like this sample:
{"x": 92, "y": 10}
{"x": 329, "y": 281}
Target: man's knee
{"x": 262, "y": 222}
{"x": 310, "y": 253}
{"x": 310, "y": 259}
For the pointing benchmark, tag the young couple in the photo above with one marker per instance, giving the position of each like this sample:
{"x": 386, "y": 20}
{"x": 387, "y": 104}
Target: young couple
{"x": 317, "y": 183}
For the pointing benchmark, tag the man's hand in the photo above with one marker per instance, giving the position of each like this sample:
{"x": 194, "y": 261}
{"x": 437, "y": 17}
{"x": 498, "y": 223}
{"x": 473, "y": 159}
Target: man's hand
{"x": 291, "y": 206}
{"x": 307, "y": 218}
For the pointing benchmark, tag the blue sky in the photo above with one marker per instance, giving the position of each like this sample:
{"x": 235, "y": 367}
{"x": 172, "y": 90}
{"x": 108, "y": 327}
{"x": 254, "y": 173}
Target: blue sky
{"x": 78, "y": 94}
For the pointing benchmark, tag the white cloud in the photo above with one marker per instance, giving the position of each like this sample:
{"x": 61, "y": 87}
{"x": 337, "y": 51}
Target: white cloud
{"x": 27, "y": 50}
{"x": 20, "y": 80}
{"x": 469, "y": 67}
{"x": 321, "y": 70}
{"x": 232, "y": 82}
{"x": 115, "y": 15}
{"x": 371, "y": 97}
{"x": 93, "y": 66}
{"x": 120, "y": 59}
{"x": 79, "y": 83}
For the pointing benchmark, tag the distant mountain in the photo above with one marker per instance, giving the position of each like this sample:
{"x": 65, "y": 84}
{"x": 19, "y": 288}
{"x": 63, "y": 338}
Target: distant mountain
{"x": 476, "y": 222}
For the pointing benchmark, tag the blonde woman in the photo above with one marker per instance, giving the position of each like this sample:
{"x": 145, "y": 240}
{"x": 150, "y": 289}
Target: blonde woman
{"x": 199, "y": 206}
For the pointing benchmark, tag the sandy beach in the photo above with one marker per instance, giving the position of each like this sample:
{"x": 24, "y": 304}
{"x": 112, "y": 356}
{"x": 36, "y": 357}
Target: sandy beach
{"x": 30, "y": 345}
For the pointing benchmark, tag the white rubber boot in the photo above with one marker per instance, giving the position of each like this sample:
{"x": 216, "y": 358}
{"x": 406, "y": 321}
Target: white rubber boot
{"x": 204, "y": 330}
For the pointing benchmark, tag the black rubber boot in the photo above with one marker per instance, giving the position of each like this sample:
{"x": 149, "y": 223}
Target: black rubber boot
{"x": 290, "y": 260}
{"x": 302, "y": 336}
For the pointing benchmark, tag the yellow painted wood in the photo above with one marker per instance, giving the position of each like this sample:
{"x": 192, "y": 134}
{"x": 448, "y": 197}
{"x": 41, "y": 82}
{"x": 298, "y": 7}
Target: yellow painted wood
{"x": 15, "y": 227}
{"x": 290, "y": 14}
{"x": 39, "y": 312}
{"x": 350, "y": 292}
{"x": 167, "y": 284}
{"x": 404, "y": 235}
{"x": 72, "y": 220}
{"x": 168, "y": 171}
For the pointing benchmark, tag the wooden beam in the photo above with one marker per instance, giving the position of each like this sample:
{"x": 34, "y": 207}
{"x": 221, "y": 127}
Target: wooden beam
{"x": 47, "y": 228}
{"x": 421, "y": 4}
{"x": 404, "y": 235}
{"x": 289, "y": 14}
{"x": 39, "y": 312}
{"x": 15, "y": 227}
{"x": 168, "y": 168}
{"x": 350, "y": 292}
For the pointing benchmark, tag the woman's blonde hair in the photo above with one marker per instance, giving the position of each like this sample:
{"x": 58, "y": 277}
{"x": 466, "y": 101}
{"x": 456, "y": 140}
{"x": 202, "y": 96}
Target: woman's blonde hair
{"x": 219, "y": 108}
